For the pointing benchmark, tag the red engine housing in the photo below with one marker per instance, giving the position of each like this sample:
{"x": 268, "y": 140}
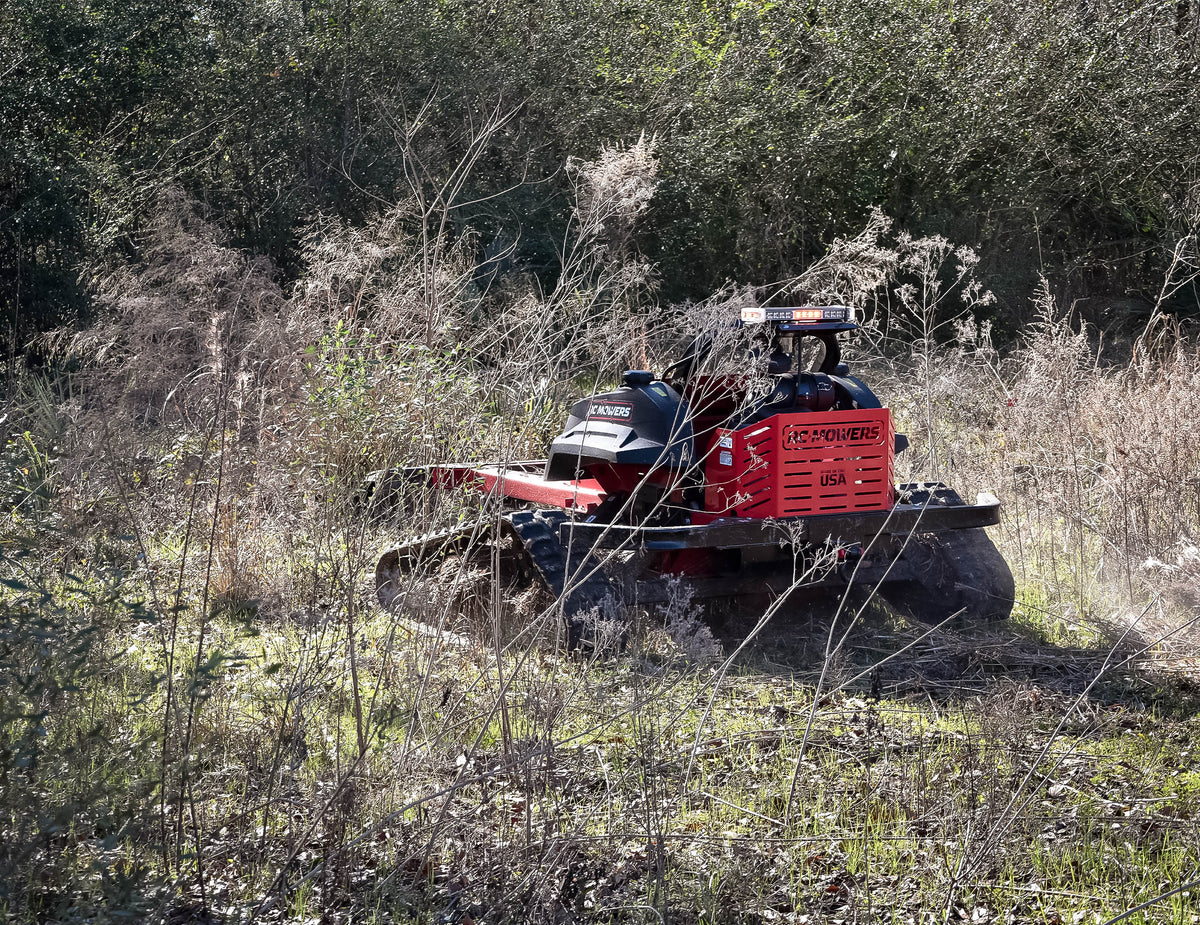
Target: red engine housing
{"x": 805, "y": 463}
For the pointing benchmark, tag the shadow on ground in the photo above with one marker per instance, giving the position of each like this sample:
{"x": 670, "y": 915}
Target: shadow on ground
{"x": 877, "y": 652}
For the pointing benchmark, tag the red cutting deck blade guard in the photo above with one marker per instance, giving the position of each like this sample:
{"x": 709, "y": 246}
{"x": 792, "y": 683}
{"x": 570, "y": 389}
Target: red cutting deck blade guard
{"x": 808, "y": 463}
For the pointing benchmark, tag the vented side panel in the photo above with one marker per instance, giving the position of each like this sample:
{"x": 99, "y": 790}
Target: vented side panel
{"x": 804, "y": 463}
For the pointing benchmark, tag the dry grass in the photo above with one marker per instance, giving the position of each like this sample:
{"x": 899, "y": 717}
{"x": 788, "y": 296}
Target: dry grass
{"x": 302, "y": 755}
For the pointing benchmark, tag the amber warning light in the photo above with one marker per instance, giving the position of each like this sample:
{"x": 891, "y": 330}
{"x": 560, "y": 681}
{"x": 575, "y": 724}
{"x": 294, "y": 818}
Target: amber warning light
{"x": 806, "y": 313}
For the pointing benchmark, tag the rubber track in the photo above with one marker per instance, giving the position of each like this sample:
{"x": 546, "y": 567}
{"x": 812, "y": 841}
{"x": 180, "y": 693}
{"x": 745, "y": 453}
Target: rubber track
{"x": 574, "y": 577}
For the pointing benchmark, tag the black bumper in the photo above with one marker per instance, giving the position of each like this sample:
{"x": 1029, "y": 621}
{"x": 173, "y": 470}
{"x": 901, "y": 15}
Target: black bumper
{"x": 842, "y": 527}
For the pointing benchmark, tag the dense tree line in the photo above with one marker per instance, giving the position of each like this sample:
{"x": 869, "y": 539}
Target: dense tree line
{"x": 1055, "y": 135}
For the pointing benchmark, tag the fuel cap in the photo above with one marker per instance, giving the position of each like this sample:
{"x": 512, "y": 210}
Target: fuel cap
{"x": 635, "y": 377}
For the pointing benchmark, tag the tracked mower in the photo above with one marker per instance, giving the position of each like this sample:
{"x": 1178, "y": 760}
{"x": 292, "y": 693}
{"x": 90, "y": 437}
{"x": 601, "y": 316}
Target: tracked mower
{"x": 700, "y": 478}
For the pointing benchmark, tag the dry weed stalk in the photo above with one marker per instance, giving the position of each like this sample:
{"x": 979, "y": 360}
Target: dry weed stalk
{"x": 194, "y": 318}
{"x": 477, "y": 770}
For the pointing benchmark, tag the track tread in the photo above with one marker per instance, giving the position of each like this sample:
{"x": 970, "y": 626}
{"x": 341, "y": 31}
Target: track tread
{"x": 959, "y": 569}
{"x": 573, "y": 576}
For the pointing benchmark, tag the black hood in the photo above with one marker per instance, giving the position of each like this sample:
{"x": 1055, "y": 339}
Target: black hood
{"x": 645, "y": 424}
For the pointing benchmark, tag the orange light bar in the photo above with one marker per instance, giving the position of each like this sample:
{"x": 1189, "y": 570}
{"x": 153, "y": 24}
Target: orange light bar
{"x": 805, "y": 315}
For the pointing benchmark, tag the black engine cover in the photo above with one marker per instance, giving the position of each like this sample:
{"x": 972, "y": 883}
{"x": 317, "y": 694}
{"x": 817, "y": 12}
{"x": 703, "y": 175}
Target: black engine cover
{"x": 645, "y": 424}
